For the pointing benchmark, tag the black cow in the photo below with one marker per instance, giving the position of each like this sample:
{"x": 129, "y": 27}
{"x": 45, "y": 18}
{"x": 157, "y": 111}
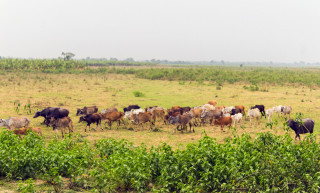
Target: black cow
{"x": 57, "y": 114}
{"x": 130, "y": 107}
{"x": 235, "y": 111}
{"x": 87, "y": 110}
{"x": 91, "y": 118}
{"x": 184, "y": 110}
{"x": 306, "y": 126}
{"x": 44, "y": 113}
{"x": 261, "y": 109}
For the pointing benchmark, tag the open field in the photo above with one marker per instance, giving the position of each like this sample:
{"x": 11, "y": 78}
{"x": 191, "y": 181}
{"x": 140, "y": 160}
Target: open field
{"x": 72, "y": 91}
{"x": 116, "y": 90}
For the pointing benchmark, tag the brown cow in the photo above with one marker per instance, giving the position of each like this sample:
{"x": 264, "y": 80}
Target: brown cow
{"x": 62, "y": 124}
{"x": 158, "y": 114}
{"x": 222, "y": 121}
{"x": 241, "y": 107}
{"x": 143, "y": 117}
{"x": 23, "y": 131}
{"x": 214, "y": 103}
{"x": 112, "y": 116}
{"x": 196, "y": 113}
{"x": 184, "y": 120}
{"x": 220, "y": 108}
{"x": 175, "y": 107}
{"x": 211, "y": 115}
{"x": 87, "y": 110}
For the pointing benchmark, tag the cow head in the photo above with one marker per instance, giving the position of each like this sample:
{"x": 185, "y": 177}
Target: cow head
{"x": 37, "y": 114}
{"x": 125, "y": 109}
{"x": 81, "y": 119}
{"x": 79, "y": 112}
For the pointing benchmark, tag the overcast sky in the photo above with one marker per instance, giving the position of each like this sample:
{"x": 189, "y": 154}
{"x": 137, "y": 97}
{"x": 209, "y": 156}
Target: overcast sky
{"x": 232, "y": 30}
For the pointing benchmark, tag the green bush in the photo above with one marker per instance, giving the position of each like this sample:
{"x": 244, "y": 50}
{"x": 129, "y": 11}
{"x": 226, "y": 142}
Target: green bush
{"x": 138, "y": 94}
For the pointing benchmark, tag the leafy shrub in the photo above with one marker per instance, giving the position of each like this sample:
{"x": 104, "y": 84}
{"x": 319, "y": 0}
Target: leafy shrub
{"x": 138, "y": 94}
{"x": 28, "y": 187}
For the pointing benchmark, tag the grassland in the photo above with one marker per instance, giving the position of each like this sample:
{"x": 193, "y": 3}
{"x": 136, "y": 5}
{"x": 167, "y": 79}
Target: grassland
{"x": 105, "y": 89}
{"x": 73, "y": 91}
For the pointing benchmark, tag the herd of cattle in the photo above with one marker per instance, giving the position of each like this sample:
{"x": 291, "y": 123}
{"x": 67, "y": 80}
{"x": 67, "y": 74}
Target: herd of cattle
{"x": 58, "y": 118}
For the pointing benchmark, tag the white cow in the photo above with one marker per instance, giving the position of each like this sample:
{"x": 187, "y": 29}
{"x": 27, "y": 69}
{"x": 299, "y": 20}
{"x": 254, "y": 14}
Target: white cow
{"x": 228, "y": 110}
{"x": 128, "y": 114}
{"x": 15, "y": 122}
{"x": 253, "y": 114}
{"x": 237, "y": 118}
{"x": 278, "y": 109}
{"x": 286, "y": 110}
{"x": 269, "y": 113}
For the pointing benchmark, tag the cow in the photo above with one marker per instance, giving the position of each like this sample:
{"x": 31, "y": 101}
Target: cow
{"x": 23, "y": 131}
{"x": 158, "y": 114}
{"x": 87, "y": 110}
{"x": 175, "y": 107}
{"x": 214, "y": 103}
{"x": 306, "y": 126}
{"x": 128, "y": 114}
{"x": 44, "y": 113}
{"x": 286, "y": 110}
{"x": 62, "y": 124}
{"x": 269, "y": 113}
{"x": 130, "y": 107}
{"x": 15, "y": 122}
{"x": 150, "y": 109}
{"x": 182, "y": 121}
{"x": 220, "y": 108}
{"x": 261, "y": 109}
{"x": 112, "y": 117}
{"x": 241, "y": 107}
{"x": 112, "y": 109}
{"x": 196, "y": 113}
{"x": 228, "y": 109}
{"x": 91, "y": 118}
{"x": 278, "y": 109}
{"x": 143, "y": 118}
{"x": 184, "y": 110}
{"x": 57, "y": 114}
{"x": 223, "y": 121}
{"x": 237, "y": 118}
{"x": 174, "y": 112}
{"x": 236, "y": 111}
{"x": 211, "y": 115}
{"x": 253, "y": 114}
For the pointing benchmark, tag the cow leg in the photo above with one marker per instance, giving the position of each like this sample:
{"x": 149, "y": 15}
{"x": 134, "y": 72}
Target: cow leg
{"x": 110, "y": 124}
{"x": 85, "y": 129}
{"x": 62, "y": 132}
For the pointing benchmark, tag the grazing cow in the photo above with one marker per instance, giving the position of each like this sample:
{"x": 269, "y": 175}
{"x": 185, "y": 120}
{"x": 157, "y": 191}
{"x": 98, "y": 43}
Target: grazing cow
{"x": 196, "y": 113}
{"x": 150, "y": 109}
{"x": 181, "y": 121}
{"x": 237, "y": 118}
{"x": 23, "y": 131}
{"x": 87, "y": 110}
{"x": 286, "y": 110}
{"x": 128, "y": 114}
{"x": 253, "y": 114}
{"x": 44, "y": 113}
{"x": 158, "y": 114}
{"x": 220, "y": 108}
{"x": 306, "y": 126}
{"x": 223, "y": 121}
{"x": 112, "y": 109}
{"x": 91, "y": 118}
{"x": 241, "y": 107}
{"x": 216, "y": 114}
{"x": 143, "y": 118}
{"x": 57, "y": 114}
{"x": 269, "y": 113}
{"x": 261, "y": 109}
{"x": 214, "y": 103}
{"x": 15, "y": 122}
{"x": 235, "y": 111}
{"x": 130, "y": 107}
{"x": 184, "y": 110}
{"x": 208, "y": 107}
{"x": 112, "y": 117}
{"x": 278, "y": 110}
{"x": 175, "y": 107}
{"x": 62, "y": 124}
{"x": 228, "y": 109}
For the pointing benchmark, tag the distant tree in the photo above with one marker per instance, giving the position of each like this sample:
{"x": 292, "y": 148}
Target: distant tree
{"x": 129, "y": 60}
{"x": 67, "y": 55}
{"x": 113, "y": 59}
{"x": 241, "y": 65}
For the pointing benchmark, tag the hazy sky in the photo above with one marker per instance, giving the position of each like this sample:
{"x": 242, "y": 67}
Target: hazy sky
{"x": 233, "y": 30}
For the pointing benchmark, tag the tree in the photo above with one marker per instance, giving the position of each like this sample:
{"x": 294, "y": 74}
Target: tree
{"x": 67, "y": 55}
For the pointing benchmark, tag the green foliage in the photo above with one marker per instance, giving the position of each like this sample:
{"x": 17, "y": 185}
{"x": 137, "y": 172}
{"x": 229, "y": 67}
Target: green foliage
{"x": 27, "y": 187}
{"x": 138, "y": 94}
{"x": 268, "y": 163}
